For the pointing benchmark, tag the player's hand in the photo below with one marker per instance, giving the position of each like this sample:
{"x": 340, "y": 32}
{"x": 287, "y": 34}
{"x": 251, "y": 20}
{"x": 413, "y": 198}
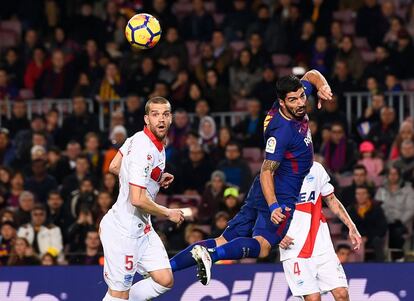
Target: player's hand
{"x": 166, "y": 180}
{"x": 277, "y": 215}
{"x": 286, "y": 242}
{"x": 176, "y": 216}
{"x": 355, "y": 238}
{"x": 324, "y": 93}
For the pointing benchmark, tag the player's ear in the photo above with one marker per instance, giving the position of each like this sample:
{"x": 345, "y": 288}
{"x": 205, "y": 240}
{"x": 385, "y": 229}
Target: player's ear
{"x": 146, "y": 119}
{"x": 281, "y": 102}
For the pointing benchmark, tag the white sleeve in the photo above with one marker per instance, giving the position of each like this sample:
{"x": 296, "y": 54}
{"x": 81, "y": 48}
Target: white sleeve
{"x": 124, "y": 148}
{"x": 140, "y": 164}
{"x": 326, "y": 187}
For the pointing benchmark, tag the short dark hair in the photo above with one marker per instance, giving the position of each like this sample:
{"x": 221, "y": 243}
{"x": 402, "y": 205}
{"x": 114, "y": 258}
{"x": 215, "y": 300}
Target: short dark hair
{"x": 342, "y": 246}
{"x": 359, "y": 166}
{"x": 234, "y": 143}
{"x": 156, "y": 99}
{"x": 39, "y": 207}
{"x": 287, "y": 84}
{"x": 366, "y": 187}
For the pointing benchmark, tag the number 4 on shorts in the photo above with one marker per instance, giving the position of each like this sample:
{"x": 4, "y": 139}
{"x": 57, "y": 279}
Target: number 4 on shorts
{"x": 296, "y": 269}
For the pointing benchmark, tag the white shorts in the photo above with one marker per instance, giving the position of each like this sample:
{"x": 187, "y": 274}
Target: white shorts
{"x": 317, "y": 274}
{"x": 124, "y": 256}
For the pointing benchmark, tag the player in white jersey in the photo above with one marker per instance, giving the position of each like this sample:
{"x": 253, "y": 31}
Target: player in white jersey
{"x": 307, "y": 253}
{"x": 130, "y": 244}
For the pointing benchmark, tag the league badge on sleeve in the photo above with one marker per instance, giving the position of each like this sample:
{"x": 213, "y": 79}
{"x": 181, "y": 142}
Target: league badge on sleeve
{"x": 271, "y": 145}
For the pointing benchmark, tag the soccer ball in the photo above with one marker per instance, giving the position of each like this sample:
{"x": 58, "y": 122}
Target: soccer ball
{"x": 143, "y": 31}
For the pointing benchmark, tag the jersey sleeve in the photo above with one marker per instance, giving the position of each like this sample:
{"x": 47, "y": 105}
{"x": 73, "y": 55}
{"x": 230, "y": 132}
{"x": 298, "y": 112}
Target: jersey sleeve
{"x": 124, "y": 148}
{"x": 309, "y": 88}
{"x": 277, "y": 142}
{"x": 326, "y": 187}
{"x": 140, "y": 163}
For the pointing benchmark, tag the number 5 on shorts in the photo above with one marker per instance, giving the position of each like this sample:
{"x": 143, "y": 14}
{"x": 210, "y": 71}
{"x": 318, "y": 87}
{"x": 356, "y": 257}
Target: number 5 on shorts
{"x": 129, "y": 264}
{"x": 296, "y": 269}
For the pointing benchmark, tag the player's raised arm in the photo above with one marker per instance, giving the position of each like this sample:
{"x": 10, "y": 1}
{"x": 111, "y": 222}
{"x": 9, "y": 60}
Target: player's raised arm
{"x": 319, "y": 81}
{"x": 115, "y": 165}
{"x": 338, "y": 209}
{"x": 141, "y": 200}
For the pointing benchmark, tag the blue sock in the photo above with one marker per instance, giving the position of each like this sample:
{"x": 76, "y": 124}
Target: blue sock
{"x": 238, "y": 248}
{"x": 183, "y": 259}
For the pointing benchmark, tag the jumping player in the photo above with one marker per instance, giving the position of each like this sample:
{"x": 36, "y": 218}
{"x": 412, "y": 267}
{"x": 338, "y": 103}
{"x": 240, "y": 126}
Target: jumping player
{"x": 262, "y": 223}
{"x": 129, "y": 242}
{"x": 309, "y": 260}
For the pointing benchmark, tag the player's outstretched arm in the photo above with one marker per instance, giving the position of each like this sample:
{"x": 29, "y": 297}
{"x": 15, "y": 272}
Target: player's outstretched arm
{"x": 268, "y": 187}
{"x": 321, "y": 84}
{"x": 141, "y": 200}
{"x": 339, "y": 210}
{"x": 115, "y": 165}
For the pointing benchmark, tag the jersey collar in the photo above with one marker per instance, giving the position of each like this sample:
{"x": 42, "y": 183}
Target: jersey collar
{"x": 283, "y": 115}
{"x": 158, "y": 144}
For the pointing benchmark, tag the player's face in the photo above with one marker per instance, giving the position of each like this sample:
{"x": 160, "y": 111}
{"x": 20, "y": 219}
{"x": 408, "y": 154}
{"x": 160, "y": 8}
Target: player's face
{"x": 159, "y": 119}
{"x": 294, "y": 104}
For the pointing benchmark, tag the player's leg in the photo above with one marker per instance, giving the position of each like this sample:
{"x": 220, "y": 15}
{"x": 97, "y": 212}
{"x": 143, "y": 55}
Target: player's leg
{"x": 120, "y": 261}
{"x": 312, "y": 297}
{"x": 240, "y": 226}
{"x": 331, "y": 276}
{"x": 153, "y": 262}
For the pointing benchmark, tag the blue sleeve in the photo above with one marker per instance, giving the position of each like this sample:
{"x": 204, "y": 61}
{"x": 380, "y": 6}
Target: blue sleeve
{"x": 309, "y": 88}
{"x": 277, "y": 142}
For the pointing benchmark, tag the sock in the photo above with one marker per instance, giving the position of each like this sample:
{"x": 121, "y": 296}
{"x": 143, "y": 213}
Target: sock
{"x": 146, "y": 290}
{"x": 108, "y": 297}
{"x": 238, "y": 248}
{"x": 183, "y": 259}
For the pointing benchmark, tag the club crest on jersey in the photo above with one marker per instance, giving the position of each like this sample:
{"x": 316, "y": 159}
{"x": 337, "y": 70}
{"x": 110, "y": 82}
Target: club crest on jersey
{"x": 149, "y": 157}
{"x": 271, "y": 145}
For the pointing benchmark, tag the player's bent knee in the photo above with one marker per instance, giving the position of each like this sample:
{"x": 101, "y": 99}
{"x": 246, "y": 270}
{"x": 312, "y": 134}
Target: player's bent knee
{"x": 264, "y": 247}
{"x": 313, "y": 297}
{"x": 340, "y": 294}
{"x": 164, "y": 278}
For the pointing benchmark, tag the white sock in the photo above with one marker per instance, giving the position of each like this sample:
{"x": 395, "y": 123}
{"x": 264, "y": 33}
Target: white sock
{"x": 146, "y": 290}
{"x": 108, "y": 297}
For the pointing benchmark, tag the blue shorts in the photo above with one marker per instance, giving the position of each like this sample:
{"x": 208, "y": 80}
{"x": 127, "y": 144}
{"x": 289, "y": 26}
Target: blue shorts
{"x": 251, "y": 222}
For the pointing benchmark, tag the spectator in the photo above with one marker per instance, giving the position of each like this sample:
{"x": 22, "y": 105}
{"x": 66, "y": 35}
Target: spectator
{"x": 35, "y": 68}
{"x": 110, "y": 184}
{"x": 84, "y": 86}
{"x": 16, "y": 189}
{"x": 18, "y": 120}
{"x": 212, "y": 196}
{"x": 41, "y": 183}
{"x": 7, "y": 239}
{"x": 117, "y": 138}
{"x": 302, "y": 47}
{"x": 84, "y": 197}
{"x": 171, "y": 45}
{"x": 244, "y": 75}
{"x": 370, "y": 13}
{"x": 111, "y": 87}
{"x": 134, "y": 114}
{"x": 89, "y": 61}
{"x": 380, "y": 66}
{"x": 404, "y": 55}
{"x": 237, "y": 21}
{"x": 39, "y": 235}
{"x": 22, "y": 254}
{"x": 320, "y": 13}
{"x": 372, "y": 115}
{"x": 265, "y": 89}
{"x": 199, "y": 24}
{"x": 57, "y": 213}
{"x": 273, "y": 34}
{"x": 7, "y": 90}
{"x": 91, "y": 253}
{"x": 207, "y": 61}
{"x": 250, "y": 130}
{"x": 359, "y": 178}
{"x": 224, "y": 137}
{"x": 179, "y": 129}
{"x": 342, "y": 82}
{"x": 383, "y": 133}
{"x": 221, "y": 220}
{"x": 391, "y": 37}
{"x": 406, "y": 161}
{"x": 236, "y": 170}
{"x": 215, "y": 93}
{"x": 31, "y": 41}
{"x": 331, "y": 114}
{"x": 86, "y": 26}
{"x": 322, "y": 56}
{"x": 72, "y": 182}
{"x": 7, "y": 151}
{"x": 103, "y": 203}
{"x": 339, "y": 152}
{"x": 14, "y": 67}
{"x": 56, "y": 81}
{"x": 76, "y": 125}
{"x": 144, "y": 80}
{"x": 392, "y": 83}
{"x": 259, "y": 56}
{"x": 199, "y": 168}
{"x": 410, "y": 19}
{"x": 336, "y": 34}
{"x": 370, "y": 220}
{"x": 397, "y": 198}
{"x": 231, "y": 204}
{"x": 202, "y": 110}
{"x": 48, "y": 259}
{"x": 350, "y": 54}
{"x": 406, "y": 132}
{"x": 223, "y": 54}
{"x": 57, "y": 167}
{"x": 78, "y": 230}
{"x": 93, "y": 152}
{"x": 373, "y": 164}
{"x": 343, "y": 251}
{"x": 161, "y": 9}
{"x": 208, "y": 133}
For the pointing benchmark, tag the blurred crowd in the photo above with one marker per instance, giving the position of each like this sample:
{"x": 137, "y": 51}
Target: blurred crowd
{"x": 214, "y": 56}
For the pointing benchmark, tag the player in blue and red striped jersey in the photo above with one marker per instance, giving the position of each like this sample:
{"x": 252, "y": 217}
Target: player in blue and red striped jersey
{"x": 264, "y": 219}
